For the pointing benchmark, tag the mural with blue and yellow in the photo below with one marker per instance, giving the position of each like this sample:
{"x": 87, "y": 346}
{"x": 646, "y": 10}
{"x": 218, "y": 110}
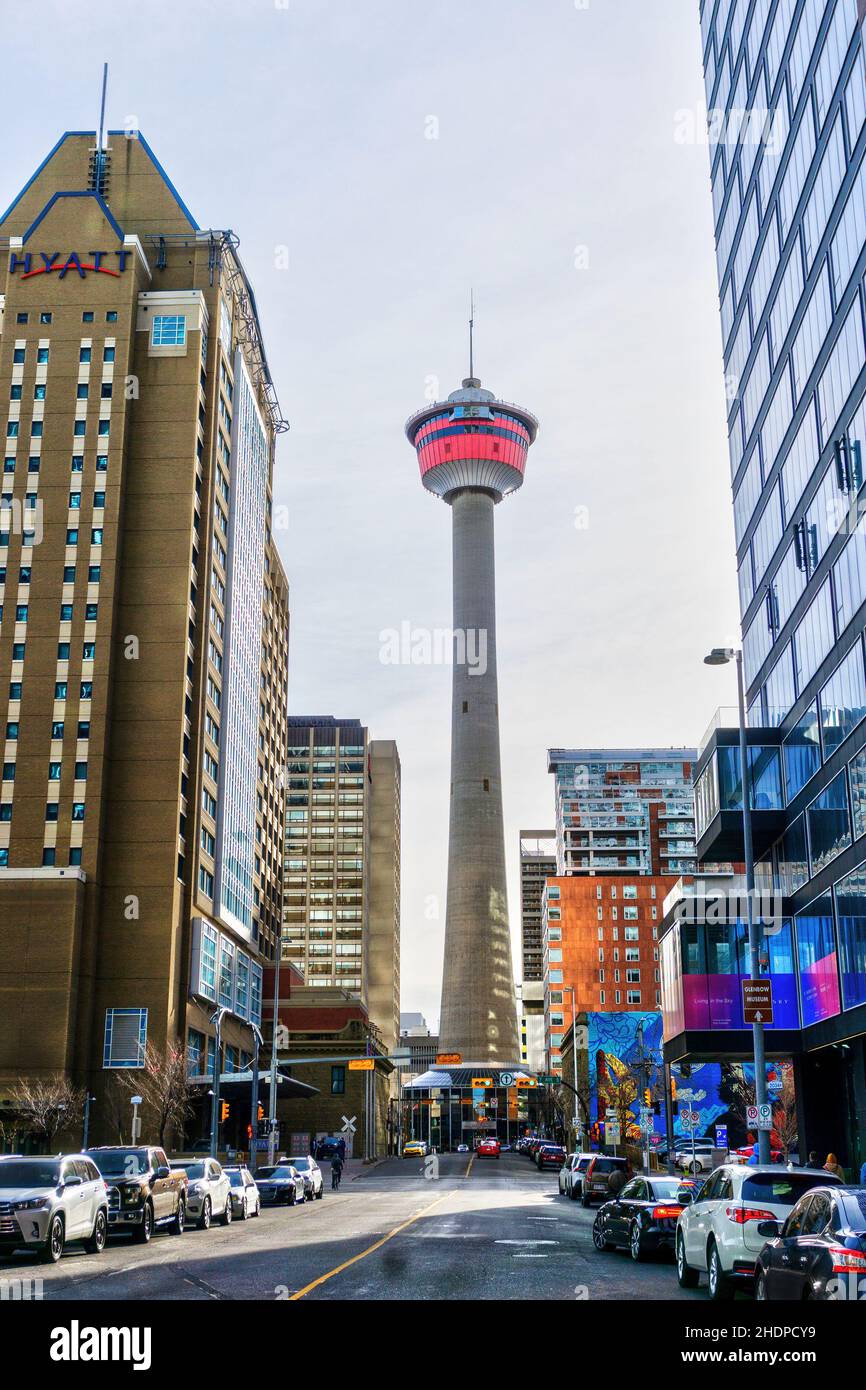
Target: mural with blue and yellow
{"x": 623, "y": 1047}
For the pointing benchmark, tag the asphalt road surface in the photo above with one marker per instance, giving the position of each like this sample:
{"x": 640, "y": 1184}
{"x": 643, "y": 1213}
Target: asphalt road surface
{"x": 480, "y": 1229}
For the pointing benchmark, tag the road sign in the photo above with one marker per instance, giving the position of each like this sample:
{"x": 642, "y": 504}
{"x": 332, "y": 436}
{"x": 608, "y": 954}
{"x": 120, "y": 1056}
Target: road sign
{"x": 612, "y": 1132}
{"x": 362, "y": 1064}
{"x": 506, "y": 1078}
{"x": 449, "y": 1059}
{"x": 765, "y": 1117}
{"x": 610, "y": 1114}
{"x": 752, "y": 1116}
{"x": 349, "y": 1126}
{"x": 482, "y": 1081}
{"x": 721, "y": 1136}
{"x": 758, "y": 1001}
{"x": 690, "y": 1119}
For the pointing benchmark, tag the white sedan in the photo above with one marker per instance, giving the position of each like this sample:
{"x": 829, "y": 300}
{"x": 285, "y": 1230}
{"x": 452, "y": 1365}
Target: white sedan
{"x": 718, "y": 1231}
{"x": 246, "y": 1200}
{"x": 208, "y": 1194}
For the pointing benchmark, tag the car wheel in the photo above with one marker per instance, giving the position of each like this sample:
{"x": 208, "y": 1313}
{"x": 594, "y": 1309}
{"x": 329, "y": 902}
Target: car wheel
{"x": 584, "y": 1201}
{"x": 244, "y": 1211}
{"x": 635, "y": 1243}
{"x": 687, "y": 1278}
{"x": 96, "y": 1244}
{"x": 53, "y": 1247}
{"x": 599, "y": 1239}
{"x": 228, "y": 1213}
{"x": 761, "y": 1294}
{"x": 695, "y": 1168}
{"x": 143, "y": 1232}
{"x": 321, "y": 1192}
{"x": 718, "y": 1283}
{"x": 573, "y": 1192}
{"x": 292, "y": 1198}
{"x": 258, "y": 1210}
{"x": 204, "y": 1219}
{"x": 178, "y": 1225}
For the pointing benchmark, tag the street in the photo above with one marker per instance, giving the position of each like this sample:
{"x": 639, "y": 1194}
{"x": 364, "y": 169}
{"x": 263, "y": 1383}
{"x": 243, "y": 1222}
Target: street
{"x": 484, "y": 1229}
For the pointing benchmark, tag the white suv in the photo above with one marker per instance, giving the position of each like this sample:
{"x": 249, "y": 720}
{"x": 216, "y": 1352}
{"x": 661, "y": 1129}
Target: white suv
{"x": 209, "y": 1193}
{"x": 571, "y": 1174}
{"x": 717, "y": 1231}
{"x": 47, "y": 1202}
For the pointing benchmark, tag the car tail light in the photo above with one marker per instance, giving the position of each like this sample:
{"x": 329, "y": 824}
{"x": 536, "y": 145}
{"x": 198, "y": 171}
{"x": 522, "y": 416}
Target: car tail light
{"x": 741, "y": 1215}
{"x": 845, "y": 1260}
{"x": 666, "y": 1213}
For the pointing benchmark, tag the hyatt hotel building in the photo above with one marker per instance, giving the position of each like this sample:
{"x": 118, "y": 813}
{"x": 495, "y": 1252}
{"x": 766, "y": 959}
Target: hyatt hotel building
{"x": 143, "y": 630}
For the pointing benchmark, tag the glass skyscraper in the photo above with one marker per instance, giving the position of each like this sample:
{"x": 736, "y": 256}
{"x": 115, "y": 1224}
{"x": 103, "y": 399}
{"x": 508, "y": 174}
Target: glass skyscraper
{"x": 786, "y": 93}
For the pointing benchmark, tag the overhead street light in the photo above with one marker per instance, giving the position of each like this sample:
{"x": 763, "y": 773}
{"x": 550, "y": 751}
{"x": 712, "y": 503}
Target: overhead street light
{"x": 720, "y": 656}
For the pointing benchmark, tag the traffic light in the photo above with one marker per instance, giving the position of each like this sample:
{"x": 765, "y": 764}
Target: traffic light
{"x": 224, "y": 1110}
{"x": 261, "y": 1113}
{"x": 249, "y": 1131}
{"x": 675, "y": 1105}
{"x": 647, "y": 1098}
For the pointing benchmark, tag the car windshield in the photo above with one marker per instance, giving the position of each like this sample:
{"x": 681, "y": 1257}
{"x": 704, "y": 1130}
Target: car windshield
{"x": 855, "y": 1209}
{"x": 30, "y": 1172}
{"x": 606, "y": 1165}
{"x": 784, "y": 1189}
{"x": 236, "y": 1179}
{"x": 194, "y": 1170}
{"x": 277, "y": 1172}
{"x": 122, "y": 1163}
{"x": 302, "y": 1164}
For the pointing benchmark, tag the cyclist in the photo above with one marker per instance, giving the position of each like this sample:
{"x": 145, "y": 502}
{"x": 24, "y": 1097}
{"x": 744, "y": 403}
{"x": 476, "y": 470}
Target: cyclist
{"x": 336, "y": 1171}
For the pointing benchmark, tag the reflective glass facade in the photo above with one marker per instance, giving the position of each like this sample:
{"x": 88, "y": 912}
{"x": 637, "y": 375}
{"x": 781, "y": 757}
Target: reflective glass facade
{"x": 786, "y": 93}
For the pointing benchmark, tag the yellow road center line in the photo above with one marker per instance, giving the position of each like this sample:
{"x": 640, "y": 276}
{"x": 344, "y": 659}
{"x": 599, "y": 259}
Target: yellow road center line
{"x": 323, "y": 1279}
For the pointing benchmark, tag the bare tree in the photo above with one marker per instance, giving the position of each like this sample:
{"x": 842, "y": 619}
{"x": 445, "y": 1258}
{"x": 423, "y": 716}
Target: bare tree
{"x": 785, "y": 1124}
{"x": 115, "y": 1105}
{"x": 48, "y": 1106}
{"x": 164, "y": 1087}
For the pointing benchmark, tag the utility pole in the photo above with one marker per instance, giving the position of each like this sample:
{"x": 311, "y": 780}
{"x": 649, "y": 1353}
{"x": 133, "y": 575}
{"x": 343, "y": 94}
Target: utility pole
{"x": 254, "y": 1102}
{"x": 272, "y": 1102}
{"x": 216, "y": 1020}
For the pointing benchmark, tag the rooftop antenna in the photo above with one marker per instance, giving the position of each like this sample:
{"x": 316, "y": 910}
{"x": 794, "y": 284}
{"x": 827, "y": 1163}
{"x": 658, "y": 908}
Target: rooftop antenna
{"x": 471, "y": 333}
{"x": 100, "y": 145}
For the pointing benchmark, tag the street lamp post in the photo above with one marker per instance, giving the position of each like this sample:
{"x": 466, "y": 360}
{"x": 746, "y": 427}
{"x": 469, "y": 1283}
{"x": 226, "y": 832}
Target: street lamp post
{"x": 720, "y": 656}
{"x": 254, "y": 1103}
{"x": 216, "y": 1020}
{"x": 272, "y": 1102}
{"x": 578, "y": 1129}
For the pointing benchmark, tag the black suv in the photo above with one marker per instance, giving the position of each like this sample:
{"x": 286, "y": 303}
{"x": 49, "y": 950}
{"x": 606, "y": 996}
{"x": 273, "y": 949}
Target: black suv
{"x": 143, "y": 1192}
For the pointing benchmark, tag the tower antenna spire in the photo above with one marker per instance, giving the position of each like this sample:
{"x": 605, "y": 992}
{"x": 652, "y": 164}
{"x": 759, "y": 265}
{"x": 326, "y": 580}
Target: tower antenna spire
{"x": 99, "y": 144}
{"x": 472, "y": 333}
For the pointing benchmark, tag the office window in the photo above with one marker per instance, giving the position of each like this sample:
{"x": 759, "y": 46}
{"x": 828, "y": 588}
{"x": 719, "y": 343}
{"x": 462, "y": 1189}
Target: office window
{"x": 49, "y": 855}
{"x": 125, "y": 1038}
{"x": 850, "y": 895}
{"x": 843, "y": 700}
{"x": 338, "y": 1081}
{"x": 828, "y": 822}
{"x": 816, "y": 953}
{"x": 801, "y": 753}
{"x": 168, "y": 330}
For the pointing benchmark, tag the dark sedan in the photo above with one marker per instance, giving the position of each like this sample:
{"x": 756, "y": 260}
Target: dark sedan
{"x": 642, "y": 1218}
{"x": 820, "y": 1250}
{"x": 280, "y": 1185}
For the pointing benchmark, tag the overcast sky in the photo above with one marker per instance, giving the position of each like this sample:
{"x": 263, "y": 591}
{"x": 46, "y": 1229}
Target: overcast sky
{"x": 377, "y": 158}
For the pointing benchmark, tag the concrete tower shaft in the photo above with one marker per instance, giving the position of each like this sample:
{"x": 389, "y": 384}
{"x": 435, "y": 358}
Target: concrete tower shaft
{"x": 472, "y": 452}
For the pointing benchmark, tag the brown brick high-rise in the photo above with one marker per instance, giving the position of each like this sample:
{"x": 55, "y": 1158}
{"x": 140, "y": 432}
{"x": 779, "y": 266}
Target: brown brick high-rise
{"x": 144, "y": 633}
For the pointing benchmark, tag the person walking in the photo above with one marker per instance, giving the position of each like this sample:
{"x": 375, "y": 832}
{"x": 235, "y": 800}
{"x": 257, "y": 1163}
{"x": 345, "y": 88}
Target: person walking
{"x": 833, "y": 1166}
{"x": 336, "y": 1172}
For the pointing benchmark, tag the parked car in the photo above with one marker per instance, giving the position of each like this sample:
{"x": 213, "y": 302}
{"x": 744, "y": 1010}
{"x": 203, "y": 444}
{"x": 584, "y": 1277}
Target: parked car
{"x": 550, "y": 1156}
{"x": 314, "y": 1181}
{"x": 47, "y": 1202}
{"x": 415, "y": 1148}
{"x": 819, "y": 1251}
{"x": 488, "y": 1148}
{"x": 208, "y": 1192}
{"x": 717, "y": 1231}
{"x": 245, "y": 1193}
{"x": 571, "y": 1174}
{"x": 280, "y": 1184}
{"x": 604, "y": 1177}
{"x": 143, "y": 1190}
{"x": 642, "y": 1218}
{"x": 699, "y": 1162}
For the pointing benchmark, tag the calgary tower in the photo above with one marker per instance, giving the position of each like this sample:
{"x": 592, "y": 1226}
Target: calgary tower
{"x": 472, "y": 451}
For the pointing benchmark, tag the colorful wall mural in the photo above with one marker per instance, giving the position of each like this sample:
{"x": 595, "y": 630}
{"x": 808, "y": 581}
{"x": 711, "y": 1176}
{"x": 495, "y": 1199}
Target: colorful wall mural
{"x": 625, "y": 1055}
